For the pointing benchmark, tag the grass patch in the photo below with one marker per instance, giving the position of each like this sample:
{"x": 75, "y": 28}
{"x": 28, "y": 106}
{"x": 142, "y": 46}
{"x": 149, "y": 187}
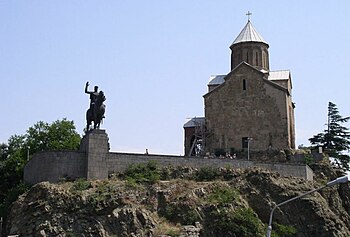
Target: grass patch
{"x": 167, "y": 229}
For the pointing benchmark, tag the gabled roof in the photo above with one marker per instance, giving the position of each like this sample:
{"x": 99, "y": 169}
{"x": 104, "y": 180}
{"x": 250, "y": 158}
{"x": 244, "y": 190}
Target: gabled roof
{"x": 249, "y": 34}
{"x": 275, "y": 74}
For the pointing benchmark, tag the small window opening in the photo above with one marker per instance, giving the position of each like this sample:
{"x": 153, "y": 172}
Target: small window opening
{"x": 244, "y": 142}
{"x": 244, "y": 84}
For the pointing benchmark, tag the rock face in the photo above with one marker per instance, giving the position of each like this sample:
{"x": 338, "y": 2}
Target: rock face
{"x": 238, "y": 203}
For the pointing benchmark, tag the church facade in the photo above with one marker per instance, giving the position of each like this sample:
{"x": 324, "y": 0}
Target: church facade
{"x": 250, "y": 106}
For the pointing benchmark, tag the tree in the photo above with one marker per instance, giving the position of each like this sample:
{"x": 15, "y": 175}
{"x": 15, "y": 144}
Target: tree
{"x": 335, "y": 138}
{"x": 42, "y": 136}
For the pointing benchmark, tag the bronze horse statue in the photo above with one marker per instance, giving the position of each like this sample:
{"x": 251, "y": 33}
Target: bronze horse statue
{"x": 96, "y": 112}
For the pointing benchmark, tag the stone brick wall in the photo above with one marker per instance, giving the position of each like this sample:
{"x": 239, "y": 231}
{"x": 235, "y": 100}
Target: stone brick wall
{"x": 55, "y": 165}
{"x": 258, "y": 111}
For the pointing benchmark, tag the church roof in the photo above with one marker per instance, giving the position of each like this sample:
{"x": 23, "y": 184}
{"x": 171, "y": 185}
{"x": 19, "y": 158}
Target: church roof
{"x": 279, "y": 75}
{"x": 249, "y": 34}
{"x": 193, "y": 122}
{"x": 273, "y": 76}
{"x": 216, "y": 79}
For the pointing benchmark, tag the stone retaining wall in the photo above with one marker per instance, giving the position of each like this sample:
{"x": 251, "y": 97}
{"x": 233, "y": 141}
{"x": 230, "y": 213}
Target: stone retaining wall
{"x": 94, "y": 161}
{"x": 118, "y": 162}
{"x": 55, "y": 165}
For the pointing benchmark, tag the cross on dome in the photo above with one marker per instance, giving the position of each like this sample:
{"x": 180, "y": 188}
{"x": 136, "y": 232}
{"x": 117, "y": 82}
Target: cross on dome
{"x": 249, "y": 14}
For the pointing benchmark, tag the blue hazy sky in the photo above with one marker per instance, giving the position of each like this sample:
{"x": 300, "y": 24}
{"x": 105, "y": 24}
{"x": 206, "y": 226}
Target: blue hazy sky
{"x": 153, "y": 60}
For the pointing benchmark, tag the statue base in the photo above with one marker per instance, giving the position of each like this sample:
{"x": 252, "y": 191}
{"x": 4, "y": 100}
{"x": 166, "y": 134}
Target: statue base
{"x": 95, "y": 145}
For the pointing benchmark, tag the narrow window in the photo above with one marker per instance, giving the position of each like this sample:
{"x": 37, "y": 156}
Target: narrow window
{"x": 263, "y": 60}
{"x": 244, "y": 142}
{"x": 247, "y": 56}
{"x": 244, "y": 84}
{"x": 256, "y": 59}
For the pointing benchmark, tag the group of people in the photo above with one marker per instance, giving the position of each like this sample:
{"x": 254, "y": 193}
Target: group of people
{"x": 226, "y": 156}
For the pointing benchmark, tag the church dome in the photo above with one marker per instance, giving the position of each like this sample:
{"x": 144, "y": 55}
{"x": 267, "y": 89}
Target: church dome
{"x": 249, "y": 34}
{"x": 250, "y": 47}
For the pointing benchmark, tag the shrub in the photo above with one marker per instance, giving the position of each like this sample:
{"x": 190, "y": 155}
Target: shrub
{"x": 222, "y": 195}
{"x": 207, "y": 174}
{"x": 242, "y": 222}
{"x": 142, "y": 173}
{"x": 12, "y": 196}
{"x": 308, "y": 159}
{"x": 80, "y": 185}
{"x": 280, "y": 230}
{"x": 178, "y": 213}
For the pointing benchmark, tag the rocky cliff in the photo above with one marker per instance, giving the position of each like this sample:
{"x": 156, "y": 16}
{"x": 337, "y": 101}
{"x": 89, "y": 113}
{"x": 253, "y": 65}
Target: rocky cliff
{"x": 185, "y": 202}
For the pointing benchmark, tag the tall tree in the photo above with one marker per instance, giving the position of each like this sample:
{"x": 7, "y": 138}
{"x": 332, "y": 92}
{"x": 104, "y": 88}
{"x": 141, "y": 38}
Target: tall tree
{"x": 42, "y": 136}
{"x": 335, "y": 139}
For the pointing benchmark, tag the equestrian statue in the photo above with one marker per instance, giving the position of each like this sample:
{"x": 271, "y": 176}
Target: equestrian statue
{"x": 97, "y": 109}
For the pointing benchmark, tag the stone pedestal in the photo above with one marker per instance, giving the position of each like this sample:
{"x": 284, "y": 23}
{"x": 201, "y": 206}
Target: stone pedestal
{"x": 95, "y": 145}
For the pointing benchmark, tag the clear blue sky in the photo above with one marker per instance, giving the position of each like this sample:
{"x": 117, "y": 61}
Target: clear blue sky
{"x": 153, "y": 60}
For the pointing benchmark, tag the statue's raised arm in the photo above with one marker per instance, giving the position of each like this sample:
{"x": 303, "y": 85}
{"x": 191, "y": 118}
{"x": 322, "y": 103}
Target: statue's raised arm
{"x": 86, "y": 88}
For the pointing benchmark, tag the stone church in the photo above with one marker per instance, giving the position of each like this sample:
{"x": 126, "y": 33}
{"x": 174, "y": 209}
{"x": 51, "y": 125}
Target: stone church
{"x": 250, "y": 106}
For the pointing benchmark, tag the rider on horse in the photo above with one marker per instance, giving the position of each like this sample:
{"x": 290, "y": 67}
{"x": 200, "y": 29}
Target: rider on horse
{"x": 97, "y": 109}
{"x": 93, "y": 95}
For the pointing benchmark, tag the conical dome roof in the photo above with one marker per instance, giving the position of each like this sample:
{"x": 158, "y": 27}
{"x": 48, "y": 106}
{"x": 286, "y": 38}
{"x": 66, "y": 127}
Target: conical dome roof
{"x": 249, "y": 34}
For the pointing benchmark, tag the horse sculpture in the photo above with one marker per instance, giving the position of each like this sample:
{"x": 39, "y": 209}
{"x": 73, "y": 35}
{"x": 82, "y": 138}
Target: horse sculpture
{"x": 96, "y": 113}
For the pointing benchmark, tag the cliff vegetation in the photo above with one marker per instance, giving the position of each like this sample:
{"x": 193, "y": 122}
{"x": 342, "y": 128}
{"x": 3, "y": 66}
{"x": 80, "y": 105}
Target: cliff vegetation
{"x": 181, "y": 201}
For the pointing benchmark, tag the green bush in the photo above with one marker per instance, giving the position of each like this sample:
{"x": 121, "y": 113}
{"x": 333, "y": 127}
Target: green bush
{"x": 222, "y": 195}
{"x": 80, "y": 185}
{"x": 242, "y": 222}
{"x": 207, "y": 173}
{"x": 12, "y": 196}
{"x": 142, "y": 173}
{"x": 178, "y": 213}
{"x": 308, "y": 159}
{"x": 280, "y": 230}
